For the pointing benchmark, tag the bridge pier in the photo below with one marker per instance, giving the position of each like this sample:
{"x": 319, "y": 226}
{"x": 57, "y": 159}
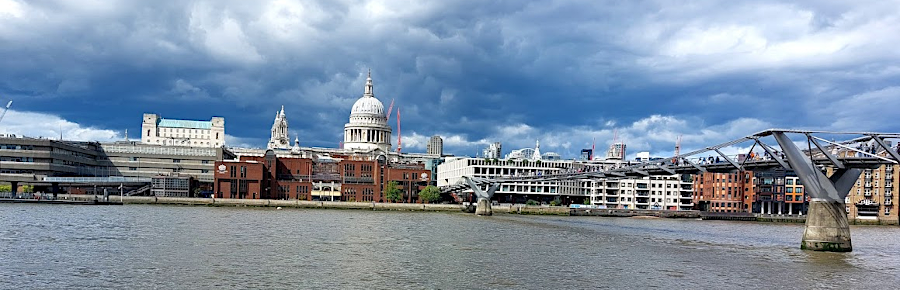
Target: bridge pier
{"x": 827, "y": 228}
{"x": 483, "y": 207}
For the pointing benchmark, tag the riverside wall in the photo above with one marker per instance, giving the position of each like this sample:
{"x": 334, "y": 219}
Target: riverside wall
{"x": 266, "y": 203}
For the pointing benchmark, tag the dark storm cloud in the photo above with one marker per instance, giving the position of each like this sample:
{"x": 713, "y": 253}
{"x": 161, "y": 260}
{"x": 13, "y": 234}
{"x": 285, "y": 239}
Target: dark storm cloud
{"x": 476, "y": 72}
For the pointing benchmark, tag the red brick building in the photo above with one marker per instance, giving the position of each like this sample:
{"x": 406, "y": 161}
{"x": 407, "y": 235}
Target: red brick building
{"x": 335, "y": 177}
{"x": 724, "y": 192}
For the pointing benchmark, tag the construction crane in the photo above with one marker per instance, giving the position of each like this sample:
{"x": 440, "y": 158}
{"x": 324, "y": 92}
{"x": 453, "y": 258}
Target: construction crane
{"x": 390, "y": 108}
{"x": 678, "y": 147}
{"x": 4, "y": 110}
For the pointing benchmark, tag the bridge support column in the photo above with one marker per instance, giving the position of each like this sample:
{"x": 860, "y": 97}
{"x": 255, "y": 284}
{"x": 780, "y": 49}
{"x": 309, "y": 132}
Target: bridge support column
{"x": 483, "y": 206}
{"x": 55, "y": 188}
{"x": 827, "y": 227}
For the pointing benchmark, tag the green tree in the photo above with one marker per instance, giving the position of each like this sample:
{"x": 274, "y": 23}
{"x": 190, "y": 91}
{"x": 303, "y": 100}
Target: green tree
{"x": 531, "y": 202}
{"x": 430, "y": 194}
{"x": 587, "y": 201}
{"x": 556, "y": 202}
{"x": 392, "y": 192}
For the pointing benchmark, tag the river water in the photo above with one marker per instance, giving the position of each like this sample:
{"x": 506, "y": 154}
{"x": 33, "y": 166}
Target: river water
{"x": 171, "y": 247}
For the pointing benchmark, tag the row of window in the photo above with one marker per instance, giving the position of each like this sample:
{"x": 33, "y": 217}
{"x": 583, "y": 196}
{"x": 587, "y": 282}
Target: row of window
{"x": 16, "y": 147}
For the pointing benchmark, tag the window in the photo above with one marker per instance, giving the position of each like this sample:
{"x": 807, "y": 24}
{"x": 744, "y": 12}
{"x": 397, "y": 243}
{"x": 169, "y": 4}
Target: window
{"x": 790, "y": 190}
{"x": 176, "y": 160}
{"x": 132, "y": 168}
{"x": 790, "y": 181}
{"x": 799, "y": 190}
{"x": 789, "y": 197}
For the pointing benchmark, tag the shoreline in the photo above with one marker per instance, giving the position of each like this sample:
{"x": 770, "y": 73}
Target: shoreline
{"x": 497, "y": 209}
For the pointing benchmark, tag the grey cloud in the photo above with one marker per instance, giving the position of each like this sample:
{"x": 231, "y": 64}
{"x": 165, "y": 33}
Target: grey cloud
{"x": 465, "y": 68}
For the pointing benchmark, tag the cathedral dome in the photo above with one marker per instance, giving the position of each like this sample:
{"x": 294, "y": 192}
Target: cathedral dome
{"x": 368, "y": 105}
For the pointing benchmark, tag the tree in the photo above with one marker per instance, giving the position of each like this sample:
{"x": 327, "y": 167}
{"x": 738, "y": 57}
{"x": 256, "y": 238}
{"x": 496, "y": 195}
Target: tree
{"x": 556, "y": 202}
{"x": 392, "y": 192}
{"x": 587, "y": 201}
{"x": 430, "y": 194}
{"x": 531, "y": 202}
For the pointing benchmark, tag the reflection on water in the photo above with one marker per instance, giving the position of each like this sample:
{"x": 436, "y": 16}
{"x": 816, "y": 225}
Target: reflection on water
{"x": 60, "y": 246}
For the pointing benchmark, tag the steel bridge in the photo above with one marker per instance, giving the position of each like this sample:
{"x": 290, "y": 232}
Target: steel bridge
{"x": 827, "y": 169}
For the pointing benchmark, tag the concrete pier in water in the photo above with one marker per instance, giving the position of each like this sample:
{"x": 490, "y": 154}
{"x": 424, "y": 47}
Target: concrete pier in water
{"x": 827, "y": 227}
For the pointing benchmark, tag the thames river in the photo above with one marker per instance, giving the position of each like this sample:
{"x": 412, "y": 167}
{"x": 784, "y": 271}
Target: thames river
{"x": 172, "y": 247}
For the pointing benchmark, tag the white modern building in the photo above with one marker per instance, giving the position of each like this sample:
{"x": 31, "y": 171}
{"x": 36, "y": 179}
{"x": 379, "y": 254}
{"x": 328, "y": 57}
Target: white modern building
{"x": 616, "y": 151}
{"x": 159, "y": 131}
{"x": 654, "y": 192}
{"x": 493, "y": 151}
{"x": 368, "y": 128}
{"x": 673, "y": 192}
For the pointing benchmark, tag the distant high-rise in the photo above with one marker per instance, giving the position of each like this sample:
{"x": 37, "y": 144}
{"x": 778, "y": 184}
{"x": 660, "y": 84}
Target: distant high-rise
{"x": 493, "y": 151}
{"x": 587, "y": 154}
{"x": 435, "y": 145}
{"x": 616, "y": 151}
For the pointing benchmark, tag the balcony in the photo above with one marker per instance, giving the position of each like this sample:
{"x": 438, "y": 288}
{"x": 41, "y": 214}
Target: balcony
{"x": 358, "y": 180}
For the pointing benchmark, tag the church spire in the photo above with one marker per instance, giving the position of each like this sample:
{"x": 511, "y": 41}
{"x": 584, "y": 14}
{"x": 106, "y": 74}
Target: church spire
{"x": 370, "y": 90}
{"x": 279, "y": 138}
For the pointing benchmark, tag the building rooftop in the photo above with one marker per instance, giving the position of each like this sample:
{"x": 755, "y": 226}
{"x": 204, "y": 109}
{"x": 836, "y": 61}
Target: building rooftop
{"x": 186, "y": 124}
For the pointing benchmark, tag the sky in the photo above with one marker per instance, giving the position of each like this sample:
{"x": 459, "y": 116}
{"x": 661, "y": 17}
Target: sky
{"x": 565, "y": 73}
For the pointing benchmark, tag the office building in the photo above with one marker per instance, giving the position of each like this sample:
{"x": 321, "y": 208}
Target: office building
{"x": 156, "y": 130}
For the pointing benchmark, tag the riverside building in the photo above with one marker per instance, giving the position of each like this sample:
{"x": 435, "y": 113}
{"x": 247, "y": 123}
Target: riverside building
{"x": 32, "y": 160}
{"x": 658, "y": 193}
